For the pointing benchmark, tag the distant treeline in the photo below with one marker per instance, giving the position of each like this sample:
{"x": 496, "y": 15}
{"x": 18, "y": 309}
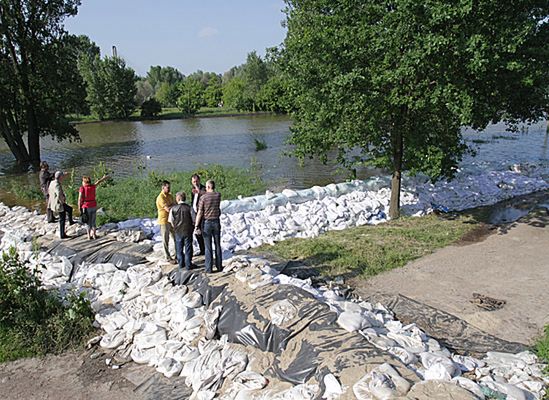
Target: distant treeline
{"x": 111, "y": 90}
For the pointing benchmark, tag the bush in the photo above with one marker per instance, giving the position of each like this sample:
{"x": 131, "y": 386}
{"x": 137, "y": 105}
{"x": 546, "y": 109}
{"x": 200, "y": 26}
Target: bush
{"x": 150, "y": 108}
{"x": 34, "y": 321}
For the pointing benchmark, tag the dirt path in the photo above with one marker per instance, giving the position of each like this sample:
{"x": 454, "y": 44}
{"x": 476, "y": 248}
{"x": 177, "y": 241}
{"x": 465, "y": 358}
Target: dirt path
{"x": 511, "y": 264}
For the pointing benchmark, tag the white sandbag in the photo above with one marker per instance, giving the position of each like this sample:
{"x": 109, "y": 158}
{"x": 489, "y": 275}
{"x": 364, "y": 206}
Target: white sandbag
{"x": 332, "y": 386}
{"x": 351, "y": 321}
{"x": 192, "y": 300}
{"x": 282, "y": 312}
{"x": 471, "y": 386}
{"x": 169, "y": 367}
{"x": 438, "y": 367}
{"x": 251, "y": 380}
{"x": 112, "y": 340}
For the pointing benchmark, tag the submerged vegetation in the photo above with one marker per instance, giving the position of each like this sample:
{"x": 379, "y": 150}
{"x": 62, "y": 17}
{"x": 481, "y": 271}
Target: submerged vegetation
{"x": 36, "y": 321}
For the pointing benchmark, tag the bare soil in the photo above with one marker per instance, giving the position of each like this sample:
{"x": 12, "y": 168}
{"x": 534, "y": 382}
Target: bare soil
{"x": 510, "y": 263}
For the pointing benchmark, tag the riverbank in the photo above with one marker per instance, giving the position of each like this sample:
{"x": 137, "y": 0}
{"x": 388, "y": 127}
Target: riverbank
{"x": 172, "y": 113}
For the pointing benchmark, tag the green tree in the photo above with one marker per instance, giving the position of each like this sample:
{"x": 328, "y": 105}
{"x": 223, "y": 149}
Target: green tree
{"x": 191, "y": 96}
{"x": 255, "y": 75}
{"x": 144, "y": 91}
{"x": 38, "y": 78}
{"x": 394, "y": 81}
{"x": 234, "y": 94}
{"x": 214, "y": 92}
{"x": 272, "y": 96}
{"x": 158, "y": 75}
{"x": 167, "y": 94}
{"x": 111, "y": 87}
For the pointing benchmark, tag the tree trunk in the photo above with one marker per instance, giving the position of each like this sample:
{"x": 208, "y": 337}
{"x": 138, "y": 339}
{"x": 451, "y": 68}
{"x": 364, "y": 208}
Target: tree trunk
{"x": 11, "y": 135}
{"x": 33, "y": 137}
{"x": 394, "y": 205}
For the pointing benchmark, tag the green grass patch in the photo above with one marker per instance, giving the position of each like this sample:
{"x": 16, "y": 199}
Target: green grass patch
{"x": 369, "y": 250}
{"x": 135, "y": 197}
{"x": 542, "y": 349}
{"x": 35, "y": 321}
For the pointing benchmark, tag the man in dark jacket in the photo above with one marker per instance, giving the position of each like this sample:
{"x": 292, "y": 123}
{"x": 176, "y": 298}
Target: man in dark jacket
{"x": 45, "y": 179}
{"x": 180, "y": 218}
{"x": 197, "y": 190}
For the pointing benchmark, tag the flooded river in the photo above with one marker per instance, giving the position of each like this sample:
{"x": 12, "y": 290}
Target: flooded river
{"x": 184, "y": 145}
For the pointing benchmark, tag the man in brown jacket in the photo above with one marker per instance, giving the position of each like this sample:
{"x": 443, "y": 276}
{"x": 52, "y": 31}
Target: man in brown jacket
{"x": 181, "y": 221}
{"x": 209, "y": 211}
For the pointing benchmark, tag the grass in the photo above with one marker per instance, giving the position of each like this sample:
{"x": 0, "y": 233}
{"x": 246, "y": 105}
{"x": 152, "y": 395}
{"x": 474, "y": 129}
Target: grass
{"x": 169, "y": 113}
{"x": 135, "y": 197}
{"x": 370, "y": 250}
{"x": 542, "y": 350}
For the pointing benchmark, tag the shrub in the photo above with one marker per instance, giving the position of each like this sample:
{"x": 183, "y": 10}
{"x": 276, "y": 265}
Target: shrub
{"x": 34, "y": 321}
{"x": 151, "y": 108}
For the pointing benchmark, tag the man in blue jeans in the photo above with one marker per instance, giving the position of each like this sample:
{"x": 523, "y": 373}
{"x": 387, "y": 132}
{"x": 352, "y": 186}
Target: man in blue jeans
{"x": 180, "y": 218}
{"x": 209, "y": 212}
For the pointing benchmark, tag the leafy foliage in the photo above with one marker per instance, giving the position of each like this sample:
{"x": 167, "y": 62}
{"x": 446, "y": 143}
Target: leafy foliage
{"x": 391, "y": 83}
{"x": 191, "y": 96}
{"x": 151, "y": 108}
{"x": 33, "y": 320}
{"x": 110, "y": 86}
{"x": 39, "y": 81}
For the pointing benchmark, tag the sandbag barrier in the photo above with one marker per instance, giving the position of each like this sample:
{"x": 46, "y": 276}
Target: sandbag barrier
{"x": 213, "y": 331}
{"x": 253, "y": 221}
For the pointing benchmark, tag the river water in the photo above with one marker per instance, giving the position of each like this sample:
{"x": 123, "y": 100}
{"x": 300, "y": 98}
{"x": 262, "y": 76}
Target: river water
{"x": 184, "y": 145}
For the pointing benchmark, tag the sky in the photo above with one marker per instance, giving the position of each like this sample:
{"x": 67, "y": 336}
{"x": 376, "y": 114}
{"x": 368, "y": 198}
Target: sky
{"x": 211, "y": 35}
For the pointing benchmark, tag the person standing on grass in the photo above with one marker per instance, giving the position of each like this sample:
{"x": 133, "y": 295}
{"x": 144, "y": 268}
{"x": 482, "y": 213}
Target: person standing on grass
{"x": 209, "y": 212}
{"x": 57, "y": 203}
{"x": 46, "y": 177}
{"x": 182, "y": 224}
{"x": 88, "y": 204}
{"x": 197, "y": 190}
{"x": 164, "y": 203}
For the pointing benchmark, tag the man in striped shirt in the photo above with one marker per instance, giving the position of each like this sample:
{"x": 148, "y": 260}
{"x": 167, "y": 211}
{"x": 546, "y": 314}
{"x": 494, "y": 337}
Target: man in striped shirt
{"x": 209, "y": 212}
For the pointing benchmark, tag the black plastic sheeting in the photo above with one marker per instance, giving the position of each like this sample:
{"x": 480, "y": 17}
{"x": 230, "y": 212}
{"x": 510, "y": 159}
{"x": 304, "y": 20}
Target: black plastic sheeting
{"x": 102, "y": 250}
{"x": 310, "y": 341}
{"x": 451, "y": 331}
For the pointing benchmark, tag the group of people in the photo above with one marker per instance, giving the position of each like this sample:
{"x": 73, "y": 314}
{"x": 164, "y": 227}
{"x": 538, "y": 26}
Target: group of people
{"x": 180, "y": 220}
{"x": 51, "y": 186}
{"x": 177, "y": 218}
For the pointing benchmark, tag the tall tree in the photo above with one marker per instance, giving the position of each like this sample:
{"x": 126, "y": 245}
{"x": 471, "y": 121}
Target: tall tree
{"x": 213, "y": 92}
{"x": 255, "y": 75}
{"x": 191, "y": 96}
{"x": 37, "y": 74}
{"x": 158, "y": 75}
{"x": 110, "y": 86}
{"x": 391, "y": 83}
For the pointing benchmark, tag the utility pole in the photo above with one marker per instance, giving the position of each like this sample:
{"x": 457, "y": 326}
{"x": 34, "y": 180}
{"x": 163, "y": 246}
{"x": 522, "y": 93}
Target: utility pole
{"x": 114, "y": 53}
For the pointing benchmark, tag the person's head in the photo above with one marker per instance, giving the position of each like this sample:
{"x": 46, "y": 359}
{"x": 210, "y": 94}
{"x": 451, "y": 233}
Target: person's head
{"x": 210, "y": 186}
{"x": 86, "y": 180}
{"x": 59, "y": 175}
{"x": 44, "y": 165}
{"x": 165, "y": 187}
{"x": 180, "y": 196}
{"x": 195, "y": 180}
